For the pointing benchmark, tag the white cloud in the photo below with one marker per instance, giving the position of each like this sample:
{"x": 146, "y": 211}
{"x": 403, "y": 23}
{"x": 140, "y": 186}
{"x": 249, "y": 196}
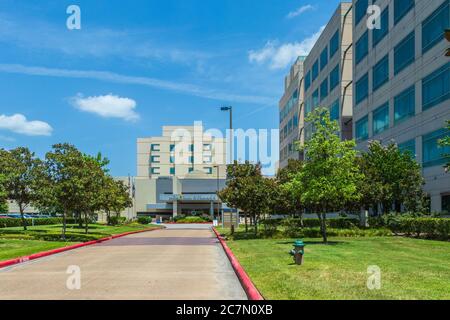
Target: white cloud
{"x": 108, "y": 106}
{"x": 145, "y": 81}
{"x": 299, "y": 11}
{"x": 281, "y": 56}
{"x": 18, "y": 123}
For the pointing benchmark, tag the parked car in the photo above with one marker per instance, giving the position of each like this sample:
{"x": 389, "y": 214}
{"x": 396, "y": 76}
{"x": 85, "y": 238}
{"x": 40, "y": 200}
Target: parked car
{"x": 3, "y": 216}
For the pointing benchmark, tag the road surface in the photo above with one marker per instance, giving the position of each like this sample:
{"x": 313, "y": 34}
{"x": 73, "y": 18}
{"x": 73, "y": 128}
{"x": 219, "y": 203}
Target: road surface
{"x": 180, "y": 262}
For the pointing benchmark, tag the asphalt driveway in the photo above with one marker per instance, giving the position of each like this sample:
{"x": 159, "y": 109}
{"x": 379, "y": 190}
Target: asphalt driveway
{"x": 180, "y": 262}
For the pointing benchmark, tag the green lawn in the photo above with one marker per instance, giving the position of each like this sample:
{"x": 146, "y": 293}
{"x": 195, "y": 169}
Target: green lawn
{"x": 14, "y": 242}
{"x": 410, "y": 268}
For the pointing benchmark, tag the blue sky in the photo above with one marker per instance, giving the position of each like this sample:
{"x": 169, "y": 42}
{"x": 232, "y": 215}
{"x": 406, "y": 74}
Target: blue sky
{"x": 137, "y": 65}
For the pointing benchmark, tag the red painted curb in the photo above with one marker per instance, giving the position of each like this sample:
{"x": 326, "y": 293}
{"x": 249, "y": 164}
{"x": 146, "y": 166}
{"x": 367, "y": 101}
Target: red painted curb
{"x": 38, "y": 255}
{"x": 188, "y": 223}
{"x": 249, "y": 288}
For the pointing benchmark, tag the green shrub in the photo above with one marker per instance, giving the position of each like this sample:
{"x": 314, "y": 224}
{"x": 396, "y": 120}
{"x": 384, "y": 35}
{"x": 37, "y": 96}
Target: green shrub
{"x": 432, "y": 228}
{"x": 192, "y": 220}
{"x": 10, "y": 222}
{"x": 144, "y": 220}
{"x": 270, "y": 226}
{"x": 115, "y": 220}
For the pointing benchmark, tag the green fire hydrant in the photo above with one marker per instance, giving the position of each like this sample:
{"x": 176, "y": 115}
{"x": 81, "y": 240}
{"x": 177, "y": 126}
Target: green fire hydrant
{"x": 298, "y": 251}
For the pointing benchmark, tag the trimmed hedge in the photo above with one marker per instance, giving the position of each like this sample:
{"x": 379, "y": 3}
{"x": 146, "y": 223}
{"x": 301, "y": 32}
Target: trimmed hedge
{"x": 432, "y": 228}
{"x": 193, "y": 220}
{"x": 315, "y": 233}
{"x": 13, "y": 222}
{"x": 144, "y": 220}
{"x": 292, "y": 225}
{"x": 115, "y": 220}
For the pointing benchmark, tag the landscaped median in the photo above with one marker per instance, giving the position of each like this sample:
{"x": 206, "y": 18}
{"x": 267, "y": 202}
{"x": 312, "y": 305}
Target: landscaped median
{"x": 410, "y": 268}
{"x": 15, "y": 243}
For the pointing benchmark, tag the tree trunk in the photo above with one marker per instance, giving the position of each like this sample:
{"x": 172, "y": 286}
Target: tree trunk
{"x": 108, "y": 218}
{"x": 24, "y": 222}
{"x": 246, "y": 223}
{"x": 323, "y": 227}
{"x": 63, "y": 232}
{"x": 80, "y": 219}
{"x": 255, "y": 221}
{"x": 86, "y": 223}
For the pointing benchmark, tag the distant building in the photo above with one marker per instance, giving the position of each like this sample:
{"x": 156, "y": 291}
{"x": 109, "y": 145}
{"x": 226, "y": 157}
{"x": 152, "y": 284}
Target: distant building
{"x": 179, "y": 172}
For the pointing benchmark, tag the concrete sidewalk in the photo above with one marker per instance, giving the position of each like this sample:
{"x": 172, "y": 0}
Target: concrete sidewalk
{"x": 180, "y": 262}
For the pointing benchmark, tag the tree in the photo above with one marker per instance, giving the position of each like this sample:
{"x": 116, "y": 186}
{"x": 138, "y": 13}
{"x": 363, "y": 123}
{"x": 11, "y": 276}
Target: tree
{"x": 235, "y": 194}
{"x": 286, "y": 201}
{"x": 392, "y": 178}
{"x": 115, "y": 197}
{"x": 19, "y": 166}
{"x": 329, "y": 178}
{"x": 3, "y": 195}
{"x": 121, "y": 199}
{"x": 445, "y": 143}
{"x": 63, "y": 187}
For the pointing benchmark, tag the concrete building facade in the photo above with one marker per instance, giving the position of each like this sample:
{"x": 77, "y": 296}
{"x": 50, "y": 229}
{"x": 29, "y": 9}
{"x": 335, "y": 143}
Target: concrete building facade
{"x": 291, "y": 114}
{"x": 179, "y": 172}
{"x": 402, "y": 84}
{"x": 328, "y": 72}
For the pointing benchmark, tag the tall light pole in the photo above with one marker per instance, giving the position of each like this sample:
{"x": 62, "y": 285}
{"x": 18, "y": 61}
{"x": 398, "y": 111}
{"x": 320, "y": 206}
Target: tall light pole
{"x": 218, "y": 187}
{"x": 230, "y": 109}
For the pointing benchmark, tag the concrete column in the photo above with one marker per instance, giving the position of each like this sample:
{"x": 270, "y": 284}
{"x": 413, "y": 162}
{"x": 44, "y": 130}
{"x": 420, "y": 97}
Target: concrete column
{"x": 211, "y": 208}
{"x": 175, "y": 208}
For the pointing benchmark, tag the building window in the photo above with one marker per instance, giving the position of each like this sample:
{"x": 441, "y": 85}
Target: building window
{"x": 172, "y": 159}
{"x": 334, "y": 111}
{"x": 155, "y": 147}
{"x": 334, "y": 44}
{"x": 154, "y": 170}
{"x": 191, "y": 148}
{"x": 404, "y": 53}
{"x": 307, "y": 80}
{"x": 362, "y": 88}
{"x": 324, "y": 89}
{"x": 315, "y": 98}
{"x": 191, "y": 159}
{"x": 208, "y": 170}
{"x": 401, "y": 8}
{"x": 433, "y": 153}
{"x": 323, "y": 58}
{"x": 334, "y": 78}
{"x": 434, "y": 25}
{"x": 380, "y": 120}
{"x": 315, "y": 70}
{"x": 408, "y": 147}
{"x": 190, "y": 170}
{"x": 172, "y": 170}
{"x": 405, "y": 105}
{"x": 295, "y": 120}
{"x": 362, "y": 47}
{"x": 362, "y": 129}
{"x": 360, "y": 10}
{"x": 308, "y": 106}
{"x": 207, "y": 159}
{"x": 436, "y": 87}
{"x": 154, "y": 159}
{"x": 445, "y": 203}
{"x": 380, "y": 73}
{"x": 172, "y": 148}
{"x": 207, "y": 147}
{"x": 379, "y": 34}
